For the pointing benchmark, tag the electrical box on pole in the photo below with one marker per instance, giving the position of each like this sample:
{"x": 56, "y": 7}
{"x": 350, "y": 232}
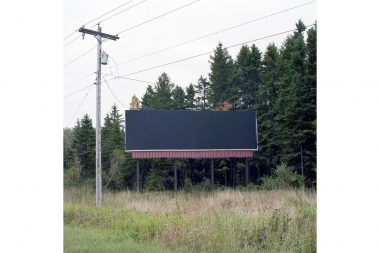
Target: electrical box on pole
{"x": 101, "y": 59}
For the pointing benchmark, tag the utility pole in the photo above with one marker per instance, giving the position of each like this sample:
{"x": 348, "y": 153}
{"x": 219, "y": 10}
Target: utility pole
{"x": 99, "y": 36}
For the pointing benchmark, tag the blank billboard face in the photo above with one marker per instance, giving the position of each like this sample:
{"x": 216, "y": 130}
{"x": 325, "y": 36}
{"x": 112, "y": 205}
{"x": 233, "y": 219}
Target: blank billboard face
{"x": 148, "y": 130}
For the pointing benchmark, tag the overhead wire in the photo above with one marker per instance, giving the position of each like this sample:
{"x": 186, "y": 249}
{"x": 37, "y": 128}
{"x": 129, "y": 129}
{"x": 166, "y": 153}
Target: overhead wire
{"x": 157, "y": 17}
{"x": 122, "y": 11}
{"x": 79, "y": 79}
{"x": 68, "y": 36}
{"x": 105, "y": 20}
{"x": 130, "y": 28}
{"x": 113, "y": 94}
{"x": 71, "y": 119}
{"x": 211, "y": 34}
{"x": 72, "y": 93}
{"x": 206, "y": 53}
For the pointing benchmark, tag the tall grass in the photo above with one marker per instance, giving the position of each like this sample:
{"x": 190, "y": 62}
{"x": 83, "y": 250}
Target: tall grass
{"x": 221, "y": 221}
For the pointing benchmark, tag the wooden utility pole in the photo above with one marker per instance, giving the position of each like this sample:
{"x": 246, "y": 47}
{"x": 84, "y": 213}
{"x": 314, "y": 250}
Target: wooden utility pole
{"x": 99, "y": 36}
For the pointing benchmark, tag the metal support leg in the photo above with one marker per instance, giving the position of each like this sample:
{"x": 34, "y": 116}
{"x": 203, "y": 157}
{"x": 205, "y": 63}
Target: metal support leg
{"x": 175, "y": 175}
{"x": 138, "y": 175}
{"x": 246, "y": 171}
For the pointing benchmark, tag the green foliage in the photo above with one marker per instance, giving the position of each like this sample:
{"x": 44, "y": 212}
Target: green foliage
{"x": 202, "y": 91}
{"x": 112, "y": 137}
{"x": 78, "y": 239}
{"x": 187, "y": 185}
{"x": 284, "y": 177}
{"x": 204, "y": 186}
{"x": 280, "y": 230}
{"x": 248, "y": 76}
{"x": 279, "y": 84}
{"x": 83, "y": 145}
{"x": 221, "y": 76}
{"x": 68, "y": 152}
{"x": 71, "y": 177}
{"x": 178, "y": 98}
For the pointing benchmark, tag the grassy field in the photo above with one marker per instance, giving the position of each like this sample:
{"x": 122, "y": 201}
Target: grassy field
{"x": 221, "y": 221}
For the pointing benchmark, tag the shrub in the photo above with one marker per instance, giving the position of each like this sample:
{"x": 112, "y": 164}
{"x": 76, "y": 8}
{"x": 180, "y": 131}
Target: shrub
{"x": 204, "y": 186}
{"x": 153, "y": 181}
{"x": 187, "y": 185}
{"x": 284, "y": 177}
{"x": 71, "y": 177}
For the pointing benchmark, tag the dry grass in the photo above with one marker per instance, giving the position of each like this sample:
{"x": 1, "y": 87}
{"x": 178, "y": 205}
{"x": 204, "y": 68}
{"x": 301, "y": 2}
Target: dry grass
{"x": 221, "y": 221}
{"x": 256, "y": 203}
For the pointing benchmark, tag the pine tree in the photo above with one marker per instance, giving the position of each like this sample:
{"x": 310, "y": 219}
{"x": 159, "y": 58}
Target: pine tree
{"x": 295, "y": 129}
{"x": 190, "y": 97}
{"x": 178, "y": 98}
{"x": 84, "y": 146}
{"x": 112, "y": 136}
{"x": 163, "y": 92}
{"x": 148, "y": 100}
{"x": 202, "y": 91}
{"x": 267, "y": 96}
{"x": 248, "y": 76}
{"x": 221, "y": 76}
{"x": 68, "y": 153}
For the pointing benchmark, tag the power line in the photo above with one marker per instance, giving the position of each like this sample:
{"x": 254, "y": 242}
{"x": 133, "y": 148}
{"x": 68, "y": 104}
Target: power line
{"x": 72, "y": 93}
{"x": 71, "y": 119}
{"x": 113, "y": 94}
{"x": 130, "y": 28}
{"x": 122, "y": 11}
{"x": 80, "y": 56}
{"x": 99, "y": 17}
{"x": 105, "y": 20}
{"x": 159, "y": 16}
{"x": 198, "y": 55}
{"x": 78, "y": 80}
{"x": 137, "y": 80}
{"x": 213, "y": 33}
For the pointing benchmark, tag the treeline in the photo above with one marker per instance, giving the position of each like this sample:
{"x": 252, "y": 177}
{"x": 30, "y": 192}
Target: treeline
{"x": 280, "y": 84}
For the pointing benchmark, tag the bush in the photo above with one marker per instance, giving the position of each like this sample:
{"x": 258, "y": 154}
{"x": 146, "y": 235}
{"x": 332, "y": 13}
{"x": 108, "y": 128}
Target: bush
{"x": 284, "y": 177}
{"x": 187, "y": 185}
{"x": 204, "y": 186}
{"x": 71, "y": 177}
{"x": 153, "y": 182}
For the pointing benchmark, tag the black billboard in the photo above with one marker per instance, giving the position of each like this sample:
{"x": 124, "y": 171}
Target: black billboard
{"x": 190, "y": 130}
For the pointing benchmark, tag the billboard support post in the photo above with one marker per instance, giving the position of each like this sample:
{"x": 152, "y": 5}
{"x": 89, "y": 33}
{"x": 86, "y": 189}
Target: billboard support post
{"x": 246, "y": 171}
{"x": 212, "y": 173}
{"x": 138, "y": 175}
{"x": 175, "y": 175}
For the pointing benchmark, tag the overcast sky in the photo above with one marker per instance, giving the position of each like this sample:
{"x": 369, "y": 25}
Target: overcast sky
{"x": 201, "y": 18}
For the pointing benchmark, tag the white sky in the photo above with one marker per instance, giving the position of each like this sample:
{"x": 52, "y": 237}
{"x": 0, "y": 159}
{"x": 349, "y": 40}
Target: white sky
{"x": 203, "y": 17}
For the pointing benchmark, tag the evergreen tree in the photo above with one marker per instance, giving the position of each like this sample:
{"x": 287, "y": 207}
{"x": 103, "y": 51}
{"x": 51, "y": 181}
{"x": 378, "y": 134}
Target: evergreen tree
{"x": 148, "y": 100}
{"x": 221, "y": 76}
{"x": 178, "y": 98}
{"x": 190, "y": 97}
{"x": 68, "y": 152}
{"x": 295, "y": 131}
{"x": 112, "y": 136}
{"x": 163, "y": 93}
{"x": 202, "y": 91}
{"x": 267, "y": 95}
{"x": 84, "y": 146}
{"x": 248, "y": 76}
